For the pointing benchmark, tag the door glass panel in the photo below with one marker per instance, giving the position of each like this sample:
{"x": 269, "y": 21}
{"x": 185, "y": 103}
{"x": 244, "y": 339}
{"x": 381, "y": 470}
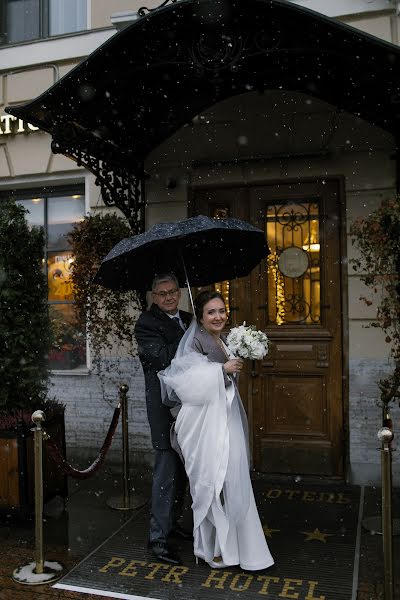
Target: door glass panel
{"x": 294, "y": 291}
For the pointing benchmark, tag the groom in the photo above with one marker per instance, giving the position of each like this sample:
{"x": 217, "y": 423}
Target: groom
{"x": 158, "y": 332}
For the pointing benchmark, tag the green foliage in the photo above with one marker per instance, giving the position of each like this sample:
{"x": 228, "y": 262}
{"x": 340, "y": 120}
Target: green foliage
{"x": 377, "y": 238}
{"x": 25, "y": 336}
{"x": 66, "y": 336}
{"x": 108, "y": 316}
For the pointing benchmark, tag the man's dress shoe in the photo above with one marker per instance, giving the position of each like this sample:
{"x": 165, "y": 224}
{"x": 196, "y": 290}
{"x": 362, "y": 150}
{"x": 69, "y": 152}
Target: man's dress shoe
{"x": 163, "y": 552}
{"x": 180, "y": 532}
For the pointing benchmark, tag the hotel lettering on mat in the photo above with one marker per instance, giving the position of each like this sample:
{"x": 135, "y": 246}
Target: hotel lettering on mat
{"x": 262, "y": 585}
{"x": 307, "y": 496}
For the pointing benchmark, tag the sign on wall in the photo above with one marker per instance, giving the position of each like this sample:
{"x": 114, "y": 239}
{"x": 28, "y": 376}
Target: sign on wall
{"x": 10, "y": 125}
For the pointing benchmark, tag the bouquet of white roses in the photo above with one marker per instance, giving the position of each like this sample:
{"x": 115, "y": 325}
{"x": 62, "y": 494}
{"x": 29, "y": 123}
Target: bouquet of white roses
{"x": 247, "y": 342}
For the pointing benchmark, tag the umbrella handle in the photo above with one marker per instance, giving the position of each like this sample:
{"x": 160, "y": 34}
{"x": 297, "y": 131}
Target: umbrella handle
{"x": 188, "y": 284}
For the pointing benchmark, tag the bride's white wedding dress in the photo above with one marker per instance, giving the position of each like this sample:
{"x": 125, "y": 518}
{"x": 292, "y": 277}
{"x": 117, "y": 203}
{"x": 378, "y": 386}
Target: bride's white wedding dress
{"x": 211, "y": 430}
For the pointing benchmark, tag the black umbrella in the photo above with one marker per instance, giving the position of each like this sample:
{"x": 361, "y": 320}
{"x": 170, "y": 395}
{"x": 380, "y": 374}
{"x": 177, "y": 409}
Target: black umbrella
{"x": 199, "y": 251}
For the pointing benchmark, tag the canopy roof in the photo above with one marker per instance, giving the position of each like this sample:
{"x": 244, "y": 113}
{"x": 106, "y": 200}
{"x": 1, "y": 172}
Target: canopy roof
{"x": 173, "y": 62}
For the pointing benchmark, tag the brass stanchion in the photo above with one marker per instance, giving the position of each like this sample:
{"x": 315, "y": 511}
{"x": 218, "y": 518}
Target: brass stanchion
{"x": 126, "y": 501}
{"x": 385, "y": 436}
{"x": 40, "y": 571}
{"x": 374, "y": 524}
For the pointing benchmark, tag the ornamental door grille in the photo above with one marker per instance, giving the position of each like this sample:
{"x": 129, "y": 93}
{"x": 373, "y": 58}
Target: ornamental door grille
{"x": 294, "y": 396}
{"x": 293, "y": 267}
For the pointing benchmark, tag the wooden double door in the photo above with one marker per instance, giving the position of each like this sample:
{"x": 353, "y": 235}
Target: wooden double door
{"x": 294, "y": 397}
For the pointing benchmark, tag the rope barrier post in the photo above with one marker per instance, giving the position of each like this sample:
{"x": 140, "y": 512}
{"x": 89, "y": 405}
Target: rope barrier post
{"x": 37, "y": 418}
{"x": 40, "y": 571}
{"x": 385, "y": 436}
{"x": 125, "y": 445}
{"x": 374, "y": 524}
{"x": 127, "y": 501}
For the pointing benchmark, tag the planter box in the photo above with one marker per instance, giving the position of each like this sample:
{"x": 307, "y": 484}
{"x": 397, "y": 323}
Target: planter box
{"x": 17, "y": 466}
{"x": 10, "y": 459}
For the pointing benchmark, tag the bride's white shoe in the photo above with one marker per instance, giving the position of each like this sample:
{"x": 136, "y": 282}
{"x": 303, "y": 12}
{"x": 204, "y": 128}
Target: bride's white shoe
{"x": 217, "y": 565}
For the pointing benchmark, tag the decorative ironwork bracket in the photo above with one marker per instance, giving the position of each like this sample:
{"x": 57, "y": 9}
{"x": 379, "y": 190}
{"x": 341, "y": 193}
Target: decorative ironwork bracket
{"x": 143, "y": 9}
{"x": 124, "y": 190}
{"x": 120, "y": 188}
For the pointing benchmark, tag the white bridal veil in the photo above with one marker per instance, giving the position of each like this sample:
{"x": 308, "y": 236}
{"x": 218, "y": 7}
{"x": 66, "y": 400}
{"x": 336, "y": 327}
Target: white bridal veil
{"x": 187, "y": 364}
{"x": 211, "y": 429}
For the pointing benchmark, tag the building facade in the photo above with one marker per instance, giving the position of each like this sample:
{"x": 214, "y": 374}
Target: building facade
{"x": 298, "y": 167}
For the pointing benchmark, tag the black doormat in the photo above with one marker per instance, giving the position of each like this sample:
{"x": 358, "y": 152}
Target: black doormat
{"x": 312, "y": 530}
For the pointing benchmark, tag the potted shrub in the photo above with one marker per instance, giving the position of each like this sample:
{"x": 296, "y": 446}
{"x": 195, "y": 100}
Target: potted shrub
{"x": 25, "y": 341}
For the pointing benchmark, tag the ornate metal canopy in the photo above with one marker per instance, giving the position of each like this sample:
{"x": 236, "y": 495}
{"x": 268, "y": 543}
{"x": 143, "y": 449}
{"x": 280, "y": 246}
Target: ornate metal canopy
{"x": 151, "y": 78}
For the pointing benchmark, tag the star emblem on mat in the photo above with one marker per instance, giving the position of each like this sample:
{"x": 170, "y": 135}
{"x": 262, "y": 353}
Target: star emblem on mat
{"x": 316, "y": 535}
{"x": 268, "y": 532}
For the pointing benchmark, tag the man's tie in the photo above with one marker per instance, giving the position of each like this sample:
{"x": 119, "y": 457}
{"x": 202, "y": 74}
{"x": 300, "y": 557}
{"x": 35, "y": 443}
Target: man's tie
{"x": 177, "y": 320}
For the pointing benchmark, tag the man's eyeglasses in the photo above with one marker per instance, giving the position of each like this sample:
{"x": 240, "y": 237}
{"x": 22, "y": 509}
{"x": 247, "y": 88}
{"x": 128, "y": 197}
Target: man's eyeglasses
{"x": 167, "y": 293}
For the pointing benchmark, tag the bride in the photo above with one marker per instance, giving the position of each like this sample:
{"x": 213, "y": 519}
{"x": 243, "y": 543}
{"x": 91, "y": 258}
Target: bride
{"x": 211, "y": 430}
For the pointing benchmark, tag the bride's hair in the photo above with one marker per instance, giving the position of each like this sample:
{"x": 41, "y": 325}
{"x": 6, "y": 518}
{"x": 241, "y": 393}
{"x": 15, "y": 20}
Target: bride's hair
{"x": 202, "y": 300}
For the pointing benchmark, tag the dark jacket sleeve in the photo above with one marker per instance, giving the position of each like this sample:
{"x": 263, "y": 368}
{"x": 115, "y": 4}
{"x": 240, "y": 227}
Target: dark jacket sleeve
{"x": 155, "y": 348}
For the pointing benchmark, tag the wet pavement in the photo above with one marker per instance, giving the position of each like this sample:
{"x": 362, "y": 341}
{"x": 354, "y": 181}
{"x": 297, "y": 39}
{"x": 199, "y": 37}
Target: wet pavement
{"x": 71, "y": 534}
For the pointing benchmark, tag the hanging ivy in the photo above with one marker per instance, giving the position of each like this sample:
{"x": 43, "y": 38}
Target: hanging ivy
{"x": 108, "y": 316}
{"x": 377, "y": 237}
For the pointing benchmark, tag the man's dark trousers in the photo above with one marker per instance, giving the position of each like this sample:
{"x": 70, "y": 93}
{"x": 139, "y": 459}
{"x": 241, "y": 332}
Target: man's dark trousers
{"x": 158, "y": 337}
{"x": 168, "y": 494}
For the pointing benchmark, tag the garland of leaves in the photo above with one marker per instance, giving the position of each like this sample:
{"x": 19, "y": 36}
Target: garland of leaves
{"x": 108, "y": 316}
{"x": 377, "y": 238}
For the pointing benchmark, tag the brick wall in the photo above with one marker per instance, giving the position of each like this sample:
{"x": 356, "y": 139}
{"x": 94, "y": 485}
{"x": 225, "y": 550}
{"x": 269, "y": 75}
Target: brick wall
{"x": 365, "y": 420}
{"x": 88, "y": 414}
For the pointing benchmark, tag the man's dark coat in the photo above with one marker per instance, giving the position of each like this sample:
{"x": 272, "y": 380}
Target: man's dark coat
{"x": 158, "y": 337}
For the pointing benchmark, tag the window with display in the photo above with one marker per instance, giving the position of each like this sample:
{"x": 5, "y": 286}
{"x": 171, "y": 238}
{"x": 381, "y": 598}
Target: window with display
{"x": 24, "y": 20}
{"x": 58, "y": 212}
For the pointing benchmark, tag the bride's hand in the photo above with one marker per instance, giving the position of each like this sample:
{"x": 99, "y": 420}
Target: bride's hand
{"x": 234, "y": 365}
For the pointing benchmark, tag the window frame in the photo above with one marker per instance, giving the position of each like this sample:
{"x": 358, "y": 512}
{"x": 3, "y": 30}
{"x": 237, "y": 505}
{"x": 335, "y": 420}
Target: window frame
{"x": 44, "y": 24}
{"x": 46, "y": 193}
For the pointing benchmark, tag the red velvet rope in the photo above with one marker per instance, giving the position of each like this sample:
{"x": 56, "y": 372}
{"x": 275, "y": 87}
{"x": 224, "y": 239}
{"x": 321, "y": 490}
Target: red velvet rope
{"x": 56, "y": 455}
